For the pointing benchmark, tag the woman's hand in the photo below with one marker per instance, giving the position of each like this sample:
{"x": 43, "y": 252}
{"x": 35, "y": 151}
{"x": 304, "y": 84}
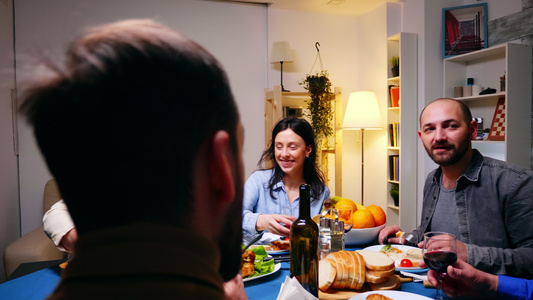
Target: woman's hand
{"x": 274, "y": 223}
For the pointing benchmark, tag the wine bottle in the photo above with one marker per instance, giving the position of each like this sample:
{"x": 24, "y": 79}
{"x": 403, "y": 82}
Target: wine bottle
{"x": 304, "y": 245}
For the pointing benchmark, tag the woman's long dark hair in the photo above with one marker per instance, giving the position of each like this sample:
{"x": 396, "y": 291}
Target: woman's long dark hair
{"x": 311, "y": 173}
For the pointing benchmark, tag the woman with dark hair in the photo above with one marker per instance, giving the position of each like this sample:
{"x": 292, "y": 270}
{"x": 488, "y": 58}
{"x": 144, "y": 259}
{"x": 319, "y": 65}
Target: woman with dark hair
{"x": 292, "y": 152}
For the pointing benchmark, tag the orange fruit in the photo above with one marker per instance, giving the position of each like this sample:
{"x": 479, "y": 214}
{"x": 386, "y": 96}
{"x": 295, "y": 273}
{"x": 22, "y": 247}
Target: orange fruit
{"x": 363, "y": 218}
{"x": 379, "y": 215}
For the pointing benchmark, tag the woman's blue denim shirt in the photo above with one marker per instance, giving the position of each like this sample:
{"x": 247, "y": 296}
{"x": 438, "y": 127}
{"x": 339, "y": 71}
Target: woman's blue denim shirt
{"x": 495, "y": 210}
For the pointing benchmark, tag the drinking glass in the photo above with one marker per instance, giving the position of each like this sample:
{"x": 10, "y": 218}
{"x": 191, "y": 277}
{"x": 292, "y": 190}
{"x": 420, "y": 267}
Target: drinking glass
{"x": 345, "y": 213}
{"x": 440, "y": 251}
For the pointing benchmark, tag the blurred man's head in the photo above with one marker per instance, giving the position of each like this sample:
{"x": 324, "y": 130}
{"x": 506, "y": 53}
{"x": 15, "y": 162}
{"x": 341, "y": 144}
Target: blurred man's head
{"x": 123, "y": 122}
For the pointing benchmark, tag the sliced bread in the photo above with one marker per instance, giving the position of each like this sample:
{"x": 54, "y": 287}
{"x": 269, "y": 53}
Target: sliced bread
{"x": 359, "y": 271}
{"x": 392, "y": 283}
{"x": 375, "y": 279}
{"x": 326, "y": 274}
{"x": 338, "y": 266}
{"x": 384, "y": 273}
{"x": 376, "y": 260}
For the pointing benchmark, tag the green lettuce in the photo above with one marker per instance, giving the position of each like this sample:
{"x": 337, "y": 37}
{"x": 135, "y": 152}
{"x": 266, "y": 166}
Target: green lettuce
{"x": 262, "y": 267}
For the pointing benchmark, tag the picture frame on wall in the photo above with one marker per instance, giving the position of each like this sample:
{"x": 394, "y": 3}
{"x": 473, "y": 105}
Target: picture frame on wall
{"x": 464, "y": 29}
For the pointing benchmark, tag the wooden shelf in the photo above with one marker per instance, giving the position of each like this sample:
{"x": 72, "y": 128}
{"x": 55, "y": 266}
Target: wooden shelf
{"x": 404, "y": 45}
{"x": 486, "y": 66}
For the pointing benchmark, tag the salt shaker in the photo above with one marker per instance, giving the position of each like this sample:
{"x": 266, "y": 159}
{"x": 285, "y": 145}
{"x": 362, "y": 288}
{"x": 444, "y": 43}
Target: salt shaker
{"x": 324, "y": 239}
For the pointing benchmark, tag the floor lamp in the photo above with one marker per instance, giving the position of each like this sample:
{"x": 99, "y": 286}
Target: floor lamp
{"x": 362, "y": 113}
{"x": 281, "y": 52}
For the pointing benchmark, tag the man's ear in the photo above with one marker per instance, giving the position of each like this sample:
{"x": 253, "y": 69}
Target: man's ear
{"x": 473, "y": 129}
{"x": 220, "y": 167}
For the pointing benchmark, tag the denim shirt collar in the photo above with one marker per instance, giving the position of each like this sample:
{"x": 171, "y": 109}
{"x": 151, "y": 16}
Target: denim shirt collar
{"x": 278, "y": 185}
{"x": 471, "y": 173}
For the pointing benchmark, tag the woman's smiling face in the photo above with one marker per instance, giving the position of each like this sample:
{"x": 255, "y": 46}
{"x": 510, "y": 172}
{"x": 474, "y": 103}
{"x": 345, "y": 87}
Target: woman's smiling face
{"x": 290, "y": 152}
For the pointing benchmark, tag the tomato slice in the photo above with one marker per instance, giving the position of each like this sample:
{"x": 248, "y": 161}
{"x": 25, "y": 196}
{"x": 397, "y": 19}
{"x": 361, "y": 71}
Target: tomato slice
{"x": 406, "y": 263}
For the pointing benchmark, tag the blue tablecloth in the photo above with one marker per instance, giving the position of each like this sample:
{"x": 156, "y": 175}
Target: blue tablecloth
{"x": 38, "y": 285}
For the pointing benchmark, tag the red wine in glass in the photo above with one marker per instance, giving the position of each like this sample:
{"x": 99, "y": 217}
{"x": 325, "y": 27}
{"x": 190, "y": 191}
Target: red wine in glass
{"x": 439, "y": 252}
{"x": 439, "y": 261}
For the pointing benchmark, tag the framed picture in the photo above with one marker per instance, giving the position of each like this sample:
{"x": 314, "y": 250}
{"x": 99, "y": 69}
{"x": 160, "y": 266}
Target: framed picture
{"x": 464, "y": 29}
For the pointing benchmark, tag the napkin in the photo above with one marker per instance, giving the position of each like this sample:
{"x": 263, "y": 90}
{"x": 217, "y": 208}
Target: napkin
{"x": 268, "y": 237}
{"x": 291, "y": 289}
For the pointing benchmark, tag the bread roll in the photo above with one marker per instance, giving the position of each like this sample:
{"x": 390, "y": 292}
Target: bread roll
{"x": 377, "y": 297}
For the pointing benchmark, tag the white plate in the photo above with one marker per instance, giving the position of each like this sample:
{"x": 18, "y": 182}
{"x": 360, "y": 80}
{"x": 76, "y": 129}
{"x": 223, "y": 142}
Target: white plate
{"x": 276, "y": 268}
{"x": 403, "y": 248}
{"x": 396, "y": 295}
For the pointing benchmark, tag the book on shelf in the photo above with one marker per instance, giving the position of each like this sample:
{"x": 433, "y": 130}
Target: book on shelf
{"x": 394, "y": 133}
{"x": 394, "y": 161}
{"x": 394, "y": 96}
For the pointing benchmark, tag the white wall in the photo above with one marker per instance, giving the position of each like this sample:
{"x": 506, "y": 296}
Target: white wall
{"x": 338, "y": 40}
{"x": 372, "y": 65}
{"x": 234, "y": 32}
{"x": 9, "y": 207}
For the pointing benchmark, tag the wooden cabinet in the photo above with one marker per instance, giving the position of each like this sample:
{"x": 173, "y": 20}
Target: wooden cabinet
{"x": 278, "y": 104}
{"x": 404, "y": 174}
{"x": 486, "y": 66}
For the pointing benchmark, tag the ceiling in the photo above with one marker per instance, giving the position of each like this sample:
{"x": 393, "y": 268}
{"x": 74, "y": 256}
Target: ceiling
{"x": 336, "y": 7}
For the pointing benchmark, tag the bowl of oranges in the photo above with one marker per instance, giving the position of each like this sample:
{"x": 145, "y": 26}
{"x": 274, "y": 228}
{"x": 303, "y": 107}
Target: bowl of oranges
{"x": 366, "y": 221}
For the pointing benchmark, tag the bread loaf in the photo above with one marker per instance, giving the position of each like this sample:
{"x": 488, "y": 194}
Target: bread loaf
{"x": 350, "y": 270}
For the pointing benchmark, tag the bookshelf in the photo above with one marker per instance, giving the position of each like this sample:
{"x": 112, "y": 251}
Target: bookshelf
{"x": 402, "y": 138}
{"x": 486, "y": 66}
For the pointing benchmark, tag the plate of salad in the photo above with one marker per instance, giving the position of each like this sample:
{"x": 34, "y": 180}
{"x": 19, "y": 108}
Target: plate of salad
{"x": 262, "y": 268}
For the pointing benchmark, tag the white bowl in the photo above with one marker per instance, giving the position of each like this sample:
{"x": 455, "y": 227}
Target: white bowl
{"x": 361, "y": 236}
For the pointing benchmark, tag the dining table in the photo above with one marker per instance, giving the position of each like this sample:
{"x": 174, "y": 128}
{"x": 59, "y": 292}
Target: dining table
{"x": 39, "y": 284}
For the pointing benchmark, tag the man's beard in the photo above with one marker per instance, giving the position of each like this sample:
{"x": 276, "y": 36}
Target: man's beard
{"x": 231, "y": 235}
{"x": 449, "y": 159}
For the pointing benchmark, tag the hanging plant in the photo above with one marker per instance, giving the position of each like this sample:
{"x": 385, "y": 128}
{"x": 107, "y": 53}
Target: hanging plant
{"x": 319, "y": 105}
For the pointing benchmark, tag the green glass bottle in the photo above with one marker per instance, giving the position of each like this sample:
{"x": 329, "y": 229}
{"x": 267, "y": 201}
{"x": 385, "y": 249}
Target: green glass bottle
{"x": 304, "y": 245}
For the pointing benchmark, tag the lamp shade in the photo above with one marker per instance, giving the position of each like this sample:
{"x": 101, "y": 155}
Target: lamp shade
{"x": 362, "y": 112}
{"x": 281, "y": 51}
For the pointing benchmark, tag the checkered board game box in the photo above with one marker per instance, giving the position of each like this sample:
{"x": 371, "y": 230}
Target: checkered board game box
{"x": 497, "y": 130}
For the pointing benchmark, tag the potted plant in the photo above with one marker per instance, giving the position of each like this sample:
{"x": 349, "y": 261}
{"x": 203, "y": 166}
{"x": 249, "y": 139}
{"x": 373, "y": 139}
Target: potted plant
{"x": 319, "y": 105}
{"x": 395, "y": 194}
{"x": 395, "y": 66}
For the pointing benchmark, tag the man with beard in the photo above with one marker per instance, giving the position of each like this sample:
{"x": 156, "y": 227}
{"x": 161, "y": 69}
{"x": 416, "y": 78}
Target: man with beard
{"x": 486, "y": 203}
{"x": 155, "y": 191}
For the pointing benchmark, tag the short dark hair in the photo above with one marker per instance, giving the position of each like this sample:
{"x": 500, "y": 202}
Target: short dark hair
{"x": 467, "y": 114}
{"x": 311, "y": 172}
{"x": 121, "y": 122}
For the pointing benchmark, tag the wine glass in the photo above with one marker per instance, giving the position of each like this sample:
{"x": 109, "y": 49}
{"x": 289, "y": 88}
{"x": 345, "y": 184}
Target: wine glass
{"x": 440, "y": 251}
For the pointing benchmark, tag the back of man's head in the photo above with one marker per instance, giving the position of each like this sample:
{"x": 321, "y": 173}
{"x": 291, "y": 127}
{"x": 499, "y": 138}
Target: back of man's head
{"x": 120, "y": 123}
